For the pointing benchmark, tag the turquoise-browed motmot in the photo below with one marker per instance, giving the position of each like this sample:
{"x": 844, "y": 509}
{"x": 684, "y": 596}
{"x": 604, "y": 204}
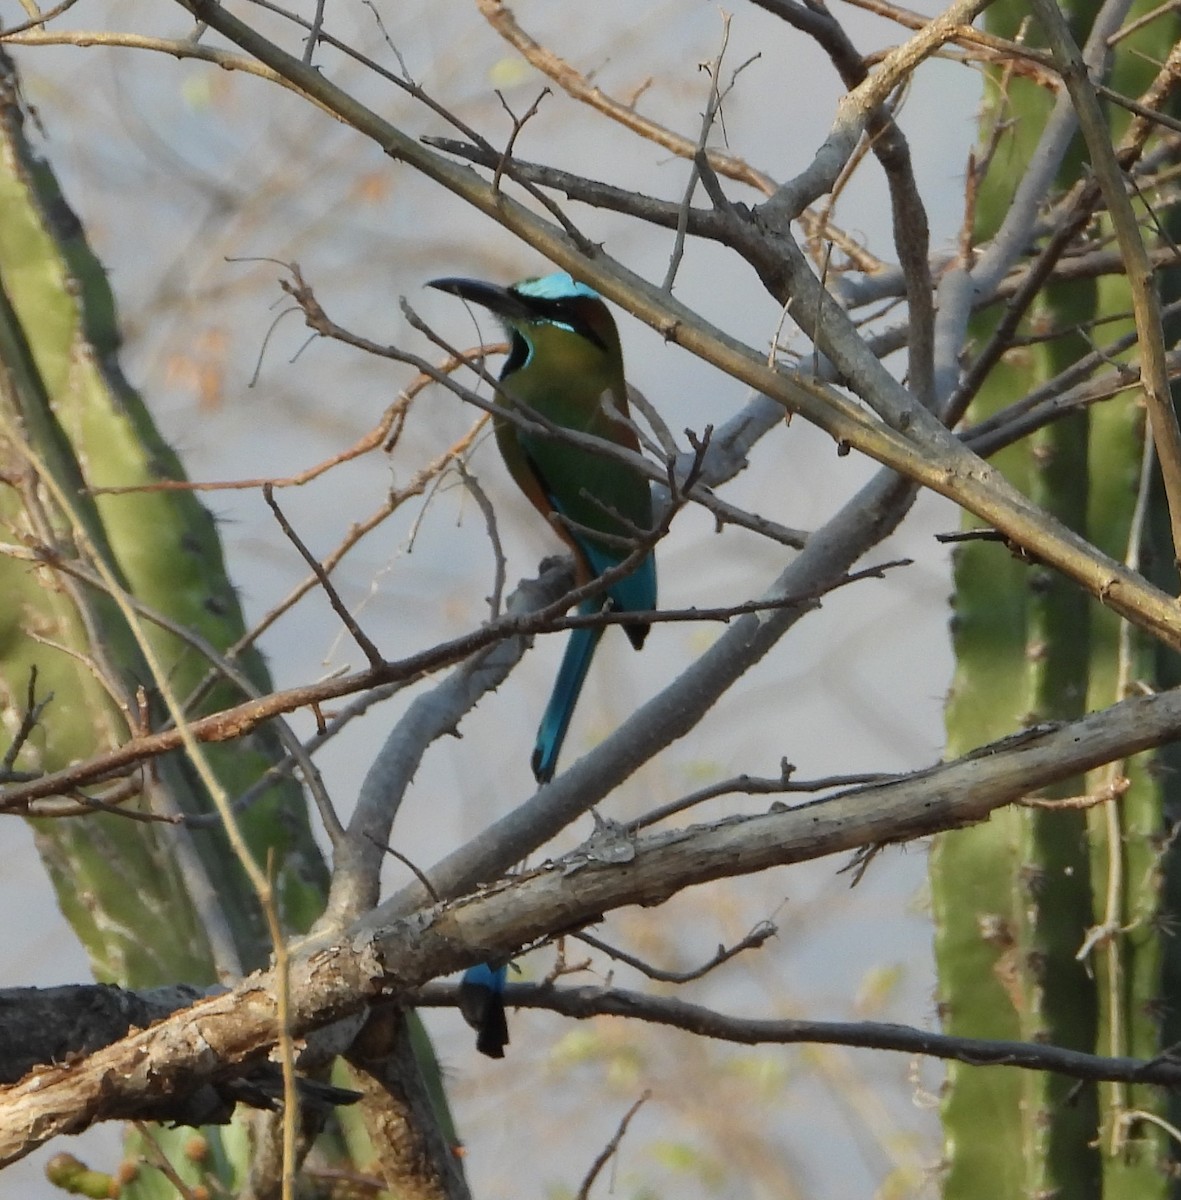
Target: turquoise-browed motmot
{"x": 565, "y": 364}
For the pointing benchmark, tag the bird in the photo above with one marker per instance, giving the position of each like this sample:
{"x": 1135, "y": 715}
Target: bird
{"x": 565, "y": 363}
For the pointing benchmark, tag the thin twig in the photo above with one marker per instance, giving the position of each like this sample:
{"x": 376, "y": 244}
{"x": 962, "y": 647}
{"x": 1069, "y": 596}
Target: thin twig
{"x": 157, "y": 1158}
{"x": 488, "y": 511}
{"x": 339, "y": 607}
{"x": 309, "y": 52}
{"x": 610, "y": 1149}
{"x": 712, "y": 104}
{"x": 411, "y": 866}
{"x": 241, "y": 719}
{"x": 577, "y": 85}
{"x": 748, "y": 785}
{"x": 519, "y": 123}
{"x": 41, "y": 19}
{"x": 754, "y": 940}
{"x": 223, "y": 667}
{"x": 29, "y": 720}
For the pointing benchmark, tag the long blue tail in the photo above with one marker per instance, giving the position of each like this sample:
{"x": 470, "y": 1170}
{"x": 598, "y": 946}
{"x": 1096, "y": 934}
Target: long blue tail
{"x": 551, "y": 733}
{"x": 481, "y": 1000}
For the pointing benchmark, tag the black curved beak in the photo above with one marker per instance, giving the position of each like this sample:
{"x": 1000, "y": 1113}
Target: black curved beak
{"x": 499, "y": 300}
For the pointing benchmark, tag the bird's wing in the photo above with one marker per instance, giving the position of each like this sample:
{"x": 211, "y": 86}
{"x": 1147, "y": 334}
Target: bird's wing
{"x": 590, "y": 490}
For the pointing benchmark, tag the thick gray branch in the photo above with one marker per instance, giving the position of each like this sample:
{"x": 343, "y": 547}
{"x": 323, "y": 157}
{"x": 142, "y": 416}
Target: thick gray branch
{"x": 387, "y": 956}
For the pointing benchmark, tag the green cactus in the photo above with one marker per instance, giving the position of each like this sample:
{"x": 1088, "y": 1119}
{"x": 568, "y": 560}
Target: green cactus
{"x": 139, "y": 895}
{"x": 89, "y": 429}
{"x": 1016, "y": 899}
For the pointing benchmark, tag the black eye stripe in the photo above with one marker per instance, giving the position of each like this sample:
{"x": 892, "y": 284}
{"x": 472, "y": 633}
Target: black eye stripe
{"x": 518, "y": 355}
{"x": 562, "y": 312}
